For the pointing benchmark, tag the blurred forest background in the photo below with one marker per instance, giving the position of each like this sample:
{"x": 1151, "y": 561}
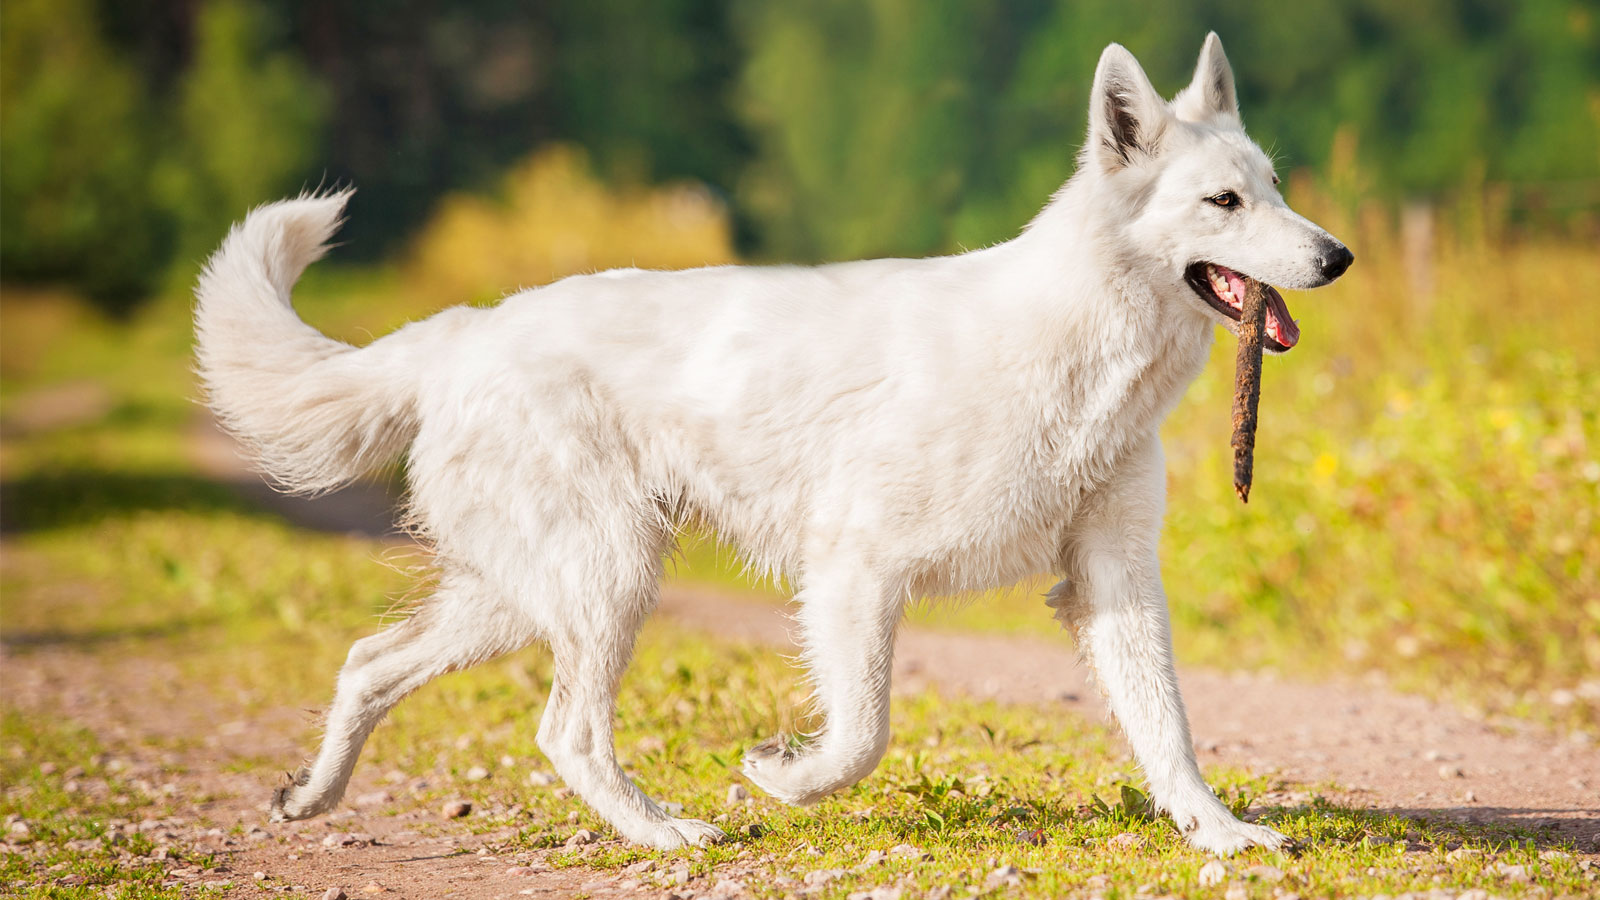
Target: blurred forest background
{"x": 134, "y": 133}
{"x": 1430, "y": 460}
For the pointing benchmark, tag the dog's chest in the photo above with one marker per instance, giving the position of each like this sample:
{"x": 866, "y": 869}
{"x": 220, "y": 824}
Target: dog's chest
{"x": 1009, "y": 519}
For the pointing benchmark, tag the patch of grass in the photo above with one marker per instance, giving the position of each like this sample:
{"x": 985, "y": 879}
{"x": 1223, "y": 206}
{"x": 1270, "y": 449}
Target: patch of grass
{"x": 66, "y": 814}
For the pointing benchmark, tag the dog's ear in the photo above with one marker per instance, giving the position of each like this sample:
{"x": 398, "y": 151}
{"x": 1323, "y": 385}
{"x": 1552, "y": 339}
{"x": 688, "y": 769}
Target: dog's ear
{"x": 1211, "y": 94}
{"x": 1126, "y": 116}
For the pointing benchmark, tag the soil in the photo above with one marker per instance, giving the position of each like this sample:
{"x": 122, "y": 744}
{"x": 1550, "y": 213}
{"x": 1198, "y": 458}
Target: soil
{"x": 1383, "y": 750}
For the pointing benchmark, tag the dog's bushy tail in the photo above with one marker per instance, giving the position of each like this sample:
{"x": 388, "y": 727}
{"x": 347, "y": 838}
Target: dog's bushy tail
{"x": 317, "y": 412}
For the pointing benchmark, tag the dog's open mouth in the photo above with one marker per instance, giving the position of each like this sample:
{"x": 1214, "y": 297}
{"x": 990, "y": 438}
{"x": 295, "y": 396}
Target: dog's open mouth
{"x": 1224, "y": 289}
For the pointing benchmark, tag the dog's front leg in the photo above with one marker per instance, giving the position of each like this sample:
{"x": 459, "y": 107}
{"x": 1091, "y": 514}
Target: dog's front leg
{"x": 1114, "y": 601}
{"x": 847, "y": 621}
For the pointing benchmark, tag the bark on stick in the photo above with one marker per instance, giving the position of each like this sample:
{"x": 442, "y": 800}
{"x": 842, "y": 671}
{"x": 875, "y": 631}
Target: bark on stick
{"x": 1247, "y": 386}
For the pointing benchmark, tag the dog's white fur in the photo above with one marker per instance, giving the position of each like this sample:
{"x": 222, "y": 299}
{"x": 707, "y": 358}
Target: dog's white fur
{"x": 876, "y": 431}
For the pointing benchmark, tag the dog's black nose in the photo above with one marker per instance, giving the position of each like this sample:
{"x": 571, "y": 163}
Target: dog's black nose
{"x": 1333, "y": 262}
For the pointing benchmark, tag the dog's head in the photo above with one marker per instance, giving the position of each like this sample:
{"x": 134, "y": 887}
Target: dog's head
{"x": 1195, "y": 198}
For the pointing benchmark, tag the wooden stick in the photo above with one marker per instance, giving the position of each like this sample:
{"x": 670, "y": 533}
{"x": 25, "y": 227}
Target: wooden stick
{"x": 1247, "y": 386}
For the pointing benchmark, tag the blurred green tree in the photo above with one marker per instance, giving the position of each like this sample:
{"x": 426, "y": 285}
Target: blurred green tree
{"x": 131, "y": 134}
{"x": 863, "y": 115}
{"x": 889, "y": 127}
{"x": 77, "y": 148}
{"x": 248, "y": 128}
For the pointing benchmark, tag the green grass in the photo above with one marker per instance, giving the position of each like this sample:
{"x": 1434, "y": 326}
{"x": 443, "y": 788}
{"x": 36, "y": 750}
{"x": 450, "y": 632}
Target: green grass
{"x": 66, "y": 811}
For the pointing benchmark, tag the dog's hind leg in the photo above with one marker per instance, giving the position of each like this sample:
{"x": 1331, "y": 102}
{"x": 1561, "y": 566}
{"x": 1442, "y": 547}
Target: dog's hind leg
{"x": 1114, "y": 602}
{"x": 459, "y": 626}
{"x": 591, "y": 654}
{"x": 847, "y": 622}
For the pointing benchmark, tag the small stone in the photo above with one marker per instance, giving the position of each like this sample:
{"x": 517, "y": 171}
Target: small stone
{"x": 1264, "y": 872}
{"x": 752, "y": 831}
{"x": 1449, "y": 771}
{"x": 334, "y": 893}
{"x": 372, "y": 887}
{"x": 679, "y": 874}
{"x": 1549, "y": 855}
{"x": 1463, "y": 853}
{"x": 477, "y": 773}
{"x": 1006, "y": 874}
{"x": 881, "y": 892}
{"x": 907, "y": 851}
{"x": 1126, "y": 841}
{"x": 582, "y": 836}
{"x": 47, "y": 768}
{"x": 729, "y": 889}
{"x": 1511, "y": 872}
{"x": 259, "y": 876}
{"x": 1213, "y": 873}
{"x": 373, "y": 798}
{"x": 541, "y": 779}
{"x": 455, "y": 809}
{"x": 737, "y": 794}
{"x": 1236, "y": 891}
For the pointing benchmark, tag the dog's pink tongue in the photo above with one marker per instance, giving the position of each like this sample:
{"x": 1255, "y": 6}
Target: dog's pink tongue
{"x": 1280, "y": 324}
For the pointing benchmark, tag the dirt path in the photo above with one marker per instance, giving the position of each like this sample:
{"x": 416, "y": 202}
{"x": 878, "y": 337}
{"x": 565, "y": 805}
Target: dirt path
{"x": 1384, "y": 750}
{"x": 173, "y": 739}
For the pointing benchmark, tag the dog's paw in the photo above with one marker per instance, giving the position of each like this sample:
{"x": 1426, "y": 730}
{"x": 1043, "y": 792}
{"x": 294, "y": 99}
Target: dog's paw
{"x": 776, "y": 751}
{"x": 769, "y": 765}
{"x": 675, "y": 833}
{"x": 284, "y": 806}
{"x": 1225, "y": 837}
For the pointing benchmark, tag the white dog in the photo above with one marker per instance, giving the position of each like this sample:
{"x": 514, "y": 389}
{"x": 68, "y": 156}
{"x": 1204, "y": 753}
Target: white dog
{"x": 876, "y": 431}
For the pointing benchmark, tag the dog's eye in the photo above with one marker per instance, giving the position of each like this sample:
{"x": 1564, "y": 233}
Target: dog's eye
{"x": 1224, "y": 199}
